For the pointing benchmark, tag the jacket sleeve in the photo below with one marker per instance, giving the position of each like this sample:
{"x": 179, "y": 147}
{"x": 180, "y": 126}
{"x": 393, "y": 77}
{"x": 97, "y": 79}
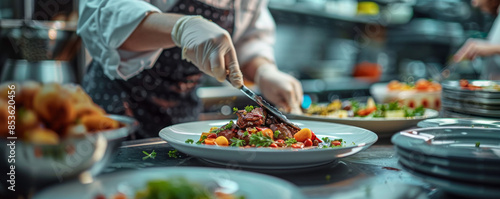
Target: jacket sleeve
{"x": 104, "y": 25}
{"x": 258, "y": 39}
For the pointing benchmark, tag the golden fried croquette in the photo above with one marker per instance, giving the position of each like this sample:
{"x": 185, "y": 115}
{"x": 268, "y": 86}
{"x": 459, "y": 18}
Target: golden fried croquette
{"x": 41, "y": 136}
{"x": 98, "y": 123}
{"x": 78, "y": 95}
{"x": 53, "y": 105}
{"x": 27, "y": 93}
{"x": 88, "y": 109}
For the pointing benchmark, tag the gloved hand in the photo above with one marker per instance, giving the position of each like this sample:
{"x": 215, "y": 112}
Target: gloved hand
{"x": 209, "y": 47}
{"x": 281, "y": 89}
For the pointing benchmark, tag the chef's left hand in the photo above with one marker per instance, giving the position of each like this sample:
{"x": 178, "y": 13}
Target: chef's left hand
{"x": 280, "y": 88}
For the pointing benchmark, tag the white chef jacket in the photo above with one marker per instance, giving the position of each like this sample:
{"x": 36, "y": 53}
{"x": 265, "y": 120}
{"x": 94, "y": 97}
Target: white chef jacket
{"x": 491, "y": 69}
{"x": 105, "y": 24}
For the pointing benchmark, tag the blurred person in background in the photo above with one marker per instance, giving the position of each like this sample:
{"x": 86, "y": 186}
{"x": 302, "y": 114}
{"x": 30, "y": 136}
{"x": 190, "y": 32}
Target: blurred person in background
{"x": 148, "y": 56}
{"x": 490, "y": 47}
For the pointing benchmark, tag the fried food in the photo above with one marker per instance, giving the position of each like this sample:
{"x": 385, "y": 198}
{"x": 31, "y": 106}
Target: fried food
{"x": 99, "y": 123}
{"x": 54, "y": 106}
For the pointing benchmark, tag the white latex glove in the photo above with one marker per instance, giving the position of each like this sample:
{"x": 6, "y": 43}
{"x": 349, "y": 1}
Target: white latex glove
{"x": 281, "y": 89}
{"x": 209, "y": 47}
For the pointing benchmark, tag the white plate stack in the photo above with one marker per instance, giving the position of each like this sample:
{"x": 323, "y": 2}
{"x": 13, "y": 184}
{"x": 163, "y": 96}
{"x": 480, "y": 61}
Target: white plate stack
{"x": 463, "y": 102}
{"x": 460, "y": 160}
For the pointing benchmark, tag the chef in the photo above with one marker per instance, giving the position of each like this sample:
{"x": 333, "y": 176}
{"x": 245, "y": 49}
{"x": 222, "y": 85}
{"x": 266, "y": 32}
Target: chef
{"x": 149, "y": 56}
{"x": 485, "y": 48}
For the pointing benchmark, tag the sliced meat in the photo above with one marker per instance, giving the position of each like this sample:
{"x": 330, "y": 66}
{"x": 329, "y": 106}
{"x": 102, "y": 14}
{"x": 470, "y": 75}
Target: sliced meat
{"x": 227, "y": 133}
{"x": 284, "y": 130}
{"x": 253, "y": 118}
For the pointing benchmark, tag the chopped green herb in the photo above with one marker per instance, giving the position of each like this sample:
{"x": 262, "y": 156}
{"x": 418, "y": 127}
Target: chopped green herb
{"x": 276, "y": 133}
{"x": 290, "y": 141}
{"x": 189, "y": 141}
{"x": 477, "y": 144}
{"x": 225, "y": 127}
{"x": 340, "y": 140}
{"x": 151, "y": 155}
{"x": 237, "y": 142}
{"x": 353, "y": 143}
{"x": 202, "y": 139}
{"x": 235, "y": 110}
{"x": 328, "y": 177}
{"x": 258, "y": 139}
{"x": 173, "y": 154}
{"x": 245, "y": 134}
{"x": 326, "y": 139}
{"x": 249, "y": 108}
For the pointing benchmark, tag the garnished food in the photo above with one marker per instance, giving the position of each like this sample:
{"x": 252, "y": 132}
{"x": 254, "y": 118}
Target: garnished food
{"x": 464, "y": 84}
{"x": 255, "y": 128}
{"x": 352, "y": 108}
{"x": 421, "y": 85}
{"x": 176, "y": 187}
{"x": 48, "y": 113}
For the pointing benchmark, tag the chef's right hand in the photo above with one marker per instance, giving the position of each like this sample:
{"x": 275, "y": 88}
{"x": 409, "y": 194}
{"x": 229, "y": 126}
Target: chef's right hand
{"x": 209, "y": 47}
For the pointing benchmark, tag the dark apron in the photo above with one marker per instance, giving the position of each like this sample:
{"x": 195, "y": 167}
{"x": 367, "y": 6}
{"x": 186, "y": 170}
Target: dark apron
{"x": 163, "y": 95}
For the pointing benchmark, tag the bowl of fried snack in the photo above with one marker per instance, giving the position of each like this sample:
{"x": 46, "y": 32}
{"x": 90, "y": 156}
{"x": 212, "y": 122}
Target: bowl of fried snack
{"x": 53, "y": 132}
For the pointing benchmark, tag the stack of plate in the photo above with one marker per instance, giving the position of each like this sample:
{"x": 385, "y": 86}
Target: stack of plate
{"x": 460, "y": 160}
{"x": 459, "y": 102}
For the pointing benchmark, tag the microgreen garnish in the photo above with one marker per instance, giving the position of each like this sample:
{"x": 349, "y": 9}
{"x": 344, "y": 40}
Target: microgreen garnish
{"x": 151, "y": 155}
{"x": 235, "y": 110}
{"x": 276, "y": 133}
{"x": 245, "y": 134}
{"x": 258, "y": 139}
{"x": 173, "y": 154}
{"x": 249, "y": 108}
{"x": 189, "y": 141}
{"x": 202, "y": 139}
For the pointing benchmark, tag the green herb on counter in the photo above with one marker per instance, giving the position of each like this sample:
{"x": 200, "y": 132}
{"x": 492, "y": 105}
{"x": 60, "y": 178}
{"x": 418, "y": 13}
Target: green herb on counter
{"x": 328, "y": 177}
{"x": 151, "y": 155}
{"x": 189, "y": 141}
{"x": 477, "y": 144}
{"x": 173, "y": 154}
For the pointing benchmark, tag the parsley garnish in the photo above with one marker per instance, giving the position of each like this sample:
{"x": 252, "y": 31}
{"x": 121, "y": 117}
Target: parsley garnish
{"x": 249, "y": 108}
{"x": 202, "y": 139}
{"x": 258, "y": 139}
{"x": 290, "y": 141}
{"x": 227, "y": 126}
{"x": 276, "y": 133}
{"x": 189, "y": 141}
{"x": 235, "y": 110}
{"x": 245, "y": 134}
{"x": 173, "y": 154}
{"x": 237, "y": 142}
{"x": 151, "y": 155}
{"x": 326, "y": 139}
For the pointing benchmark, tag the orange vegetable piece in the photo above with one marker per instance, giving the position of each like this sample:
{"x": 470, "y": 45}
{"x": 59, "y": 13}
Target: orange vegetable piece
{"x": 268, "y": 132}
{"x": 303, "y": 135}
{"x": 222, "y": 141}
{"x": 210, "y": 141}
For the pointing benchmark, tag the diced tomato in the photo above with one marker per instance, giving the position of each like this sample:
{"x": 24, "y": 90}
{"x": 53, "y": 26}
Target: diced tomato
{"x": 273, "y": 145}
{"x": 367, "y": 111}
{"x": 298, "y": 145}
{"x": 280, "y": 141}
{"x": 212, "y": 135}
{"x": 336, "y": 143}
{"x": 308, "y": 142}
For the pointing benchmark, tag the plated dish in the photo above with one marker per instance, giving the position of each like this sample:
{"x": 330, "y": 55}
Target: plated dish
{"x": 129, "y": 184}
{"x": 356, "y": 140}
{"x": 383, "y": 126}
{"x": 422, "y": 93}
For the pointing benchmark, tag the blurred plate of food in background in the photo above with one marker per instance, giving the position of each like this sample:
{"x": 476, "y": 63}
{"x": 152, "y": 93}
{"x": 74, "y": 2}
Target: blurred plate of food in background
{"x": 422, "y": 93}
{"x": 186, "y": 182}
{"x": 465, "y": 122}
{"x": 384, "y": 119}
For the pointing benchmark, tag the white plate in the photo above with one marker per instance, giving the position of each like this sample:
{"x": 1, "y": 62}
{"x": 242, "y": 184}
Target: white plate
{"x": 381, "y": 126}
{"x": 452, "y": 142}
{"x": 250, "y": 185}
{"x": 438, "y": 122}
{"x": 270, "y": 158}
{"x": 469, "y": 166}
{"x": 448, "y": 173}
{"x": 473, "y": 190}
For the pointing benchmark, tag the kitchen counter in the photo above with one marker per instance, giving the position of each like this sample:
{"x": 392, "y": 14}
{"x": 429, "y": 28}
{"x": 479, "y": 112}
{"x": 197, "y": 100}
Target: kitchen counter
{"x": 374, "y": 172}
